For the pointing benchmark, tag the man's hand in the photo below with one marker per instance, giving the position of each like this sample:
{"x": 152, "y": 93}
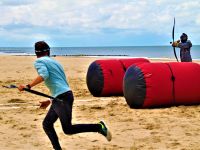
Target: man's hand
{"x": 36, "y": 81}
{"x": 21, "y": 87}
{"x": 44, "y": 104}
{"x": 175, "y": 44}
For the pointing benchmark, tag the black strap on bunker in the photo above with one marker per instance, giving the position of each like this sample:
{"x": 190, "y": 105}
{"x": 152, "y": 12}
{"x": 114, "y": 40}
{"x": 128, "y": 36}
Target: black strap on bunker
{"x": 173, "y": 82}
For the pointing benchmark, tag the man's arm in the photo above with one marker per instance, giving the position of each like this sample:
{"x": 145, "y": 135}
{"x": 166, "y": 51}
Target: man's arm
{"x": 36, "y": 81}
{"x": 189, "y": 43}
{"x": 176, "y": 43}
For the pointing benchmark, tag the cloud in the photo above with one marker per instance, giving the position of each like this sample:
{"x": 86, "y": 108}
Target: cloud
{"x": 15, "y": 2}
{"x": 100, "y": 17}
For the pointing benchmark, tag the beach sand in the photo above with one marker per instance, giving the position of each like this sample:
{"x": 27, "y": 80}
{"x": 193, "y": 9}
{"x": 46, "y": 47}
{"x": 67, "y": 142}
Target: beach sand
{"x": 174, "y": 128}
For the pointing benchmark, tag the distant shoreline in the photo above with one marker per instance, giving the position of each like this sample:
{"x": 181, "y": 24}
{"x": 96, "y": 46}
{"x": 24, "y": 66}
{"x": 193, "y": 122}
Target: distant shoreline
{"x": 119, "y": 51}
{"x": 11, "y": 54}
{"x": 102, "y": 56}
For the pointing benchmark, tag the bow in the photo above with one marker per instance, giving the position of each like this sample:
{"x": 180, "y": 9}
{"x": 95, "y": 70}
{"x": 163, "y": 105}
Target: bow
{"x": 173, "y": 40}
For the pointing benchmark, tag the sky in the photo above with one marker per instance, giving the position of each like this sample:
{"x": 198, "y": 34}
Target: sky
{"x": 83, "y": 23}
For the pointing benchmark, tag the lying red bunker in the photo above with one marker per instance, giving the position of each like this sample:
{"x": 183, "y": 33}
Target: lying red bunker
{"x": 105, "y": 77}
{"x": 162, "y": 84}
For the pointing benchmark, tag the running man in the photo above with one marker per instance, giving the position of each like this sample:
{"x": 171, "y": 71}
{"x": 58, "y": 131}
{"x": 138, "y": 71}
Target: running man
{"x": 52, "y": 73}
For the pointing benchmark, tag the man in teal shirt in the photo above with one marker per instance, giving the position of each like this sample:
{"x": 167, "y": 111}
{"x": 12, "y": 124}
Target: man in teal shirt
{"x": 52, "y": 73}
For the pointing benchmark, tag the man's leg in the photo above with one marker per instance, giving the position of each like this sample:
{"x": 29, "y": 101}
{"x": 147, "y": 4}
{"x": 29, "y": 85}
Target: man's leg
{"x": 48, "y": 127}
{"x": 65, "y": 115}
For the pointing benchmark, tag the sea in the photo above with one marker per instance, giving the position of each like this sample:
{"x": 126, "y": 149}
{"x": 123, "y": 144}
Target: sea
{"x": 110, "y": 51}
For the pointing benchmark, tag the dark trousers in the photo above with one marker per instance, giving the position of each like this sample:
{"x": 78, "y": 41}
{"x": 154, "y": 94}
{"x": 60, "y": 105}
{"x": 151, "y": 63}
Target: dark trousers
{"x": 185, "y": 56}
{"x": 63, "y": 111}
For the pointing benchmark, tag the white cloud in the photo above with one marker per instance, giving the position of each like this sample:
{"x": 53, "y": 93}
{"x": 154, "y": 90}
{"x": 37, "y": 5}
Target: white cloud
{"x": 98, "y": 16}
{"x": 15, "y": 2}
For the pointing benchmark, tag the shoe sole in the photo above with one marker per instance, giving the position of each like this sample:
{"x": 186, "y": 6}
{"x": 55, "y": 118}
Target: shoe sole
{"x": 109, "y": 135}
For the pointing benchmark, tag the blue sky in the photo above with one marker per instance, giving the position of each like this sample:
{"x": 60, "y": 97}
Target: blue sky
{"x": 97, "y": 22}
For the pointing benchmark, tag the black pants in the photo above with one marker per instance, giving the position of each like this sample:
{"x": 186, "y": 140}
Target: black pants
{"x": 63, "y": 111}
{"x": 185, "y": 56}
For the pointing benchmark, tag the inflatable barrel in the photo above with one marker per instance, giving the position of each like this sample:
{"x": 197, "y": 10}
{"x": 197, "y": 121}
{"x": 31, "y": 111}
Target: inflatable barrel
{"x": 105, "y": 77}
{"x": 162, "y": 84}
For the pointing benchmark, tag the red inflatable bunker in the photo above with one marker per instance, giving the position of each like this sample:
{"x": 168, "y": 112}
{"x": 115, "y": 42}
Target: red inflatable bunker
{"x": 162, "y": 84}
{"x": 105, "y": 77}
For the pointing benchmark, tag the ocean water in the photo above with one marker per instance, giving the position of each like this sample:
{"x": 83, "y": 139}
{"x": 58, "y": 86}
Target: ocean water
{"x": 129, "y": 51}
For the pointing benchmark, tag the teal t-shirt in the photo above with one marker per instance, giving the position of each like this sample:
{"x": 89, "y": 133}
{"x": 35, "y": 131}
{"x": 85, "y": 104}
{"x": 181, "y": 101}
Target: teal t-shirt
{"x": 53, "y": 75}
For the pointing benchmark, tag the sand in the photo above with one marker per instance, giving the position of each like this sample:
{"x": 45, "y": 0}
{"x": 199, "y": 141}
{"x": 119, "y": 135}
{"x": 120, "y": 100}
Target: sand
{"x": 173, "y": 128}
